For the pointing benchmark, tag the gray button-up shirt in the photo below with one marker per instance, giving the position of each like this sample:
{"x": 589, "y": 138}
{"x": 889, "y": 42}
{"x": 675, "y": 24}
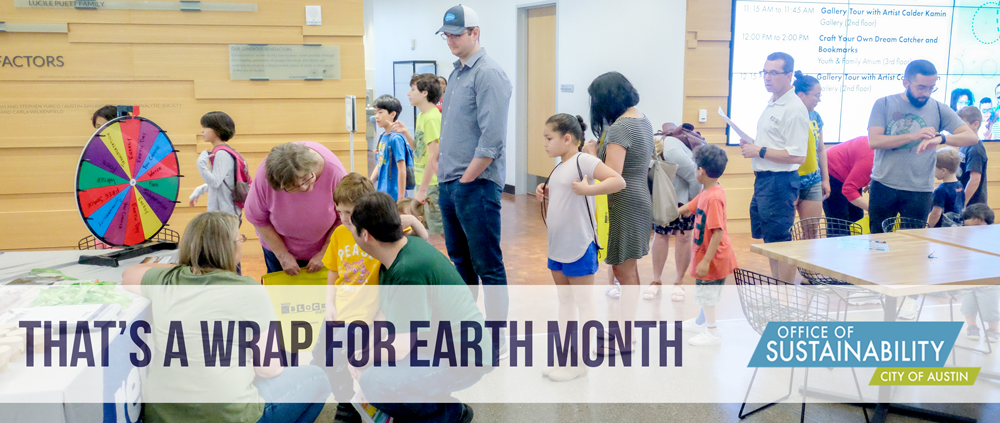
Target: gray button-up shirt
{"x": 474, "y": 120}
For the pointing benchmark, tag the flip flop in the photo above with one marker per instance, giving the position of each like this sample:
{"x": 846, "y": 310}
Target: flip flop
{"x": 678, "y": 294}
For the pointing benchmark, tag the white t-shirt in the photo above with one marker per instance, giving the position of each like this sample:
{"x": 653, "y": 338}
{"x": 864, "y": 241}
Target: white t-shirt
{"x": 571, "y": 227}
{"x": 783, "y": 125}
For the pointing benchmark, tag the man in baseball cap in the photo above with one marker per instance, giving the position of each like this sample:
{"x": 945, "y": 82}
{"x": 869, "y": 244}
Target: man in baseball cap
{"x": 472, "y": 164}
{"x": 457, "y": 19}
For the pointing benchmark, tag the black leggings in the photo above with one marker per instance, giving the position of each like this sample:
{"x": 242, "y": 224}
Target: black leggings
{"x": 885, "y": 202}
{"x": 837, "y": 206}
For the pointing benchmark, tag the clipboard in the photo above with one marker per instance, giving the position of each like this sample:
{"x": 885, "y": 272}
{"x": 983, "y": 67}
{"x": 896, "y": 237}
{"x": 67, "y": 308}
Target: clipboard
{"x": 743, "y": 135}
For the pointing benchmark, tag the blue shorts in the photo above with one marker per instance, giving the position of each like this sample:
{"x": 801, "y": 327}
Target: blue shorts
{"x": 585, "y": 266}
{"x": 772, "y": 208}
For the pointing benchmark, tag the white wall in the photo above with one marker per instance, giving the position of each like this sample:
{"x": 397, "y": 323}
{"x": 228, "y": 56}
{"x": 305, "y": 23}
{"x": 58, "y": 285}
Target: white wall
{"x": 369, "y": 39}
{"x": 642, "y": 39}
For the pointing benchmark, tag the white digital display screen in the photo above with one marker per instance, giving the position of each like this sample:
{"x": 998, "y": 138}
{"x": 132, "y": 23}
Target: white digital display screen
{"x": 859, "y": 50}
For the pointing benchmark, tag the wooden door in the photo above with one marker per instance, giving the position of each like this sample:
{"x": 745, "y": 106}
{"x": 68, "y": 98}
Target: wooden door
{"x": 541, "y": 85}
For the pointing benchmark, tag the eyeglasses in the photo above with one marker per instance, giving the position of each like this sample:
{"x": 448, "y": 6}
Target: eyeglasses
{"x": 241, "y": 239}
{"x": 445, "y": 36}
{"x": 764, "y": 74}
{"x": 300, "y": 186}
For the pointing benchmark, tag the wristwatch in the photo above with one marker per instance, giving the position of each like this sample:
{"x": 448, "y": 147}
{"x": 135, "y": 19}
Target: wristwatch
{"x": 763, "y": 151}
{"x": 943, "y": 139}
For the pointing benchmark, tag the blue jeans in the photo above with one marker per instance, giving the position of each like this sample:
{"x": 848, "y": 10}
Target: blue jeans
{"x": 274, "y": 265}
{"x": 471, "y": 215}
{"x": 298, "y": 383}
{"x": 422, "y": 385}
{"x": 339, "y": 376}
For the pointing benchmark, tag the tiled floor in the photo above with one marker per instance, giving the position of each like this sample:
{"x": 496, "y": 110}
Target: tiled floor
{"x": 524, "y": 245}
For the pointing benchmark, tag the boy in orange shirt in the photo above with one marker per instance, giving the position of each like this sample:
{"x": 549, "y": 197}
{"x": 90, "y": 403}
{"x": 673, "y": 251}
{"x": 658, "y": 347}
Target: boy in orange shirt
{"x": 714, "y": 259}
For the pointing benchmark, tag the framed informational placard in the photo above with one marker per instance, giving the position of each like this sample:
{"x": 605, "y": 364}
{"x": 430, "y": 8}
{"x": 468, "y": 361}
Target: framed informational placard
{"x": 283, "y": 62}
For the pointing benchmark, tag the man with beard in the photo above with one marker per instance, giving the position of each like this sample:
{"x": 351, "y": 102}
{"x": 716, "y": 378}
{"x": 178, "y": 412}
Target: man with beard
{"x": 904, "y": 130}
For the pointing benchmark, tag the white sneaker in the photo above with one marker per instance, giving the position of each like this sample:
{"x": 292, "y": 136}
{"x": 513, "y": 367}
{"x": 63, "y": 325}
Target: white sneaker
{"x": 566, "y": 374}
{"x": 690, "y": 326}
{"x": 909, "y": 309}
{"x": 862, "y": 298}
{"x": 614, "y": 291}
{"x": 705, "y": 339}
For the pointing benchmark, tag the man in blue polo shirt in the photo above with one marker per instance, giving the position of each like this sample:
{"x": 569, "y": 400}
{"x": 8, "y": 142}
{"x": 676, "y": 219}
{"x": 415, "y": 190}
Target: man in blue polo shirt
{"x": 780, "y": 147}
{"x": 471, "y": 167}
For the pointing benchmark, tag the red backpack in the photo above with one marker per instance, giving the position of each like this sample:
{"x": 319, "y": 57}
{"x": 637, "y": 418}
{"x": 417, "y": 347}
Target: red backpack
{"x": 241, "y": 177}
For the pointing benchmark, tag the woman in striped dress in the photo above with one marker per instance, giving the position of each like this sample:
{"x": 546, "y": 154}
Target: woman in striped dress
{"x": 626, "y": 148}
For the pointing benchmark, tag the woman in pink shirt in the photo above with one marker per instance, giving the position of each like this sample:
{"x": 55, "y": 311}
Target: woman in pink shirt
{"x": 850, "y": 166}
{"x": 292, "y": 207}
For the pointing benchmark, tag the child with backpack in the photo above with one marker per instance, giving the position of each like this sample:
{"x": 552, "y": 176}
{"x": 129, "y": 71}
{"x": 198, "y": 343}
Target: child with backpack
{"x": 393, "y": 174}
{"x": 224, "y": 171}
{"x": 569, "y": 216}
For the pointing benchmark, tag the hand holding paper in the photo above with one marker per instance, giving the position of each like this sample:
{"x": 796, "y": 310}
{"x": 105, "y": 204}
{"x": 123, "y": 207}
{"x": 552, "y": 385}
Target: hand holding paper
{"x": 743, "y": 135}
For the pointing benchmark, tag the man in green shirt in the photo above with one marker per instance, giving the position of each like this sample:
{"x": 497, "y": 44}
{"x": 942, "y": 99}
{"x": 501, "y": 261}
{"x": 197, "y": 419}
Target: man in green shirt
{"x": 418, "y": 284}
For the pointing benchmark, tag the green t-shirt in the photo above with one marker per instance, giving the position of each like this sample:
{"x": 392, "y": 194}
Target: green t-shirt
{"x": 428, "y": 131}
{"x": 181, "y": 394}
{"x": 423, "y": 285}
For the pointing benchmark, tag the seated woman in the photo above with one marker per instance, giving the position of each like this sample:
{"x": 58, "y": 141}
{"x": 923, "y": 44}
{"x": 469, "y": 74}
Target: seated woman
{"x": 205, "y": 287}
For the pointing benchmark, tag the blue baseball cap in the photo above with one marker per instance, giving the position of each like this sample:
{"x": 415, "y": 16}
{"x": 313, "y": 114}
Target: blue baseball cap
{"x": 457, "y": 19}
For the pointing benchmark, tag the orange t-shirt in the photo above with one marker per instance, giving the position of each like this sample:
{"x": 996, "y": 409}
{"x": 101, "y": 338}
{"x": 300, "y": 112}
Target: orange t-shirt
{"x": 710, "y": 206}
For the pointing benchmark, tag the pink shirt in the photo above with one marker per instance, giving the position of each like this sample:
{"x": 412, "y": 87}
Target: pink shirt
{"x": 302, "y": 219}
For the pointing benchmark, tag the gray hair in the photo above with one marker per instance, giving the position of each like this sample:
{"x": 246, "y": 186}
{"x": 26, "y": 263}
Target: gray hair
{"x": 285, "y": 161}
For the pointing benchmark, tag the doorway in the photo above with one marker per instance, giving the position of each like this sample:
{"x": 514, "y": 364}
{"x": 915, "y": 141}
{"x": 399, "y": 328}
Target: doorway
{"x": 537, "y": 93}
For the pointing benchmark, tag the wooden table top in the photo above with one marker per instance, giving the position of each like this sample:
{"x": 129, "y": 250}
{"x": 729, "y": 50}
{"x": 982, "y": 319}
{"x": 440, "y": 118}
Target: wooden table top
{"x": 985, "y": 239}
{"x": 904, "y": 270}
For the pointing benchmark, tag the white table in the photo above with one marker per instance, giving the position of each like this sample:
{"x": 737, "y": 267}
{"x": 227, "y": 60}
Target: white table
{"x": 74, "y": 394}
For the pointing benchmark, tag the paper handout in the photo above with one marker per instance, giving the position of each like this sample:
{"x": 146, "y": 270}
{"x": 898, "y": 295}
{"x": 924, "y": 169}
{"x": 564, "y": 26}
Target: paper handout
{"x": 743, "y": 135}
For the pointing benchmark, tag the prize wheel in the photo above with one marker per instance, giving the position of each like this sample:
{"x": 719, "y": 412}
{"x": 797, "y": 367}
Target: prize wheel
{"x": 127, "y": 181}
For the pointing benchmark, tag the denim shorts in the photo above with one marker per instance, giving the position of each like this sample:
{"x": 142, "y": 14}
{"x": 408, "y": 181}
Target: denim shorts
{"x": 772, "y": 208}
{"x": 585, "y": 266}
{"x": 812, "y": 187}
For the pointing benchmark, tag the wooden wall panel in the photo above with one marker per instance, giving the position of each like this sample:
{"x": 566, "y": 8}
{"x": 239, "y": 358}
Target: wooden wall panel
{"x": 80, "y": 62}
{"x": 305, "y": 116}
{"x": 339, "y": 15}
{"x": 183, "y": 34}
{"x": 25, "y": 14}
{"x": 706, "y": 86}
{"x": 166, "y": 61}
{"x": 226, "y": 89}
{"x": 59, "y": 90}
{"x": 175, "y": 65}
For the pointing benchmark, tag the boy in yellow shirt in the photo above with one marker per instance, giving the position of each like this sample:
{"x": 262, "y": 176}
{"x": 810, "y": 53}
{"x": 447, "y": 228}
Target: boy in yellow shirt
{"x": 352, "y": 290}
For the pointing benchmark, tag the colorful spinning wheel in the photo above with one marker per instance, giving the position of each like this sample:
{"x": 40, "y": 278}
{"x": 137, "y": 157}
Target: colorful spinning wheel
{"x": 127, "y": 181}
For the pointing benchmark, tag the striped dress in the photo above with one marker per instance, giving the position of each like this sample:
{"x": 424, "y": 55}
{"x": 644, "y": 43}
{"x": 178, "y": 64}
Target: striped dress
{"x": 631, "y": 209}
